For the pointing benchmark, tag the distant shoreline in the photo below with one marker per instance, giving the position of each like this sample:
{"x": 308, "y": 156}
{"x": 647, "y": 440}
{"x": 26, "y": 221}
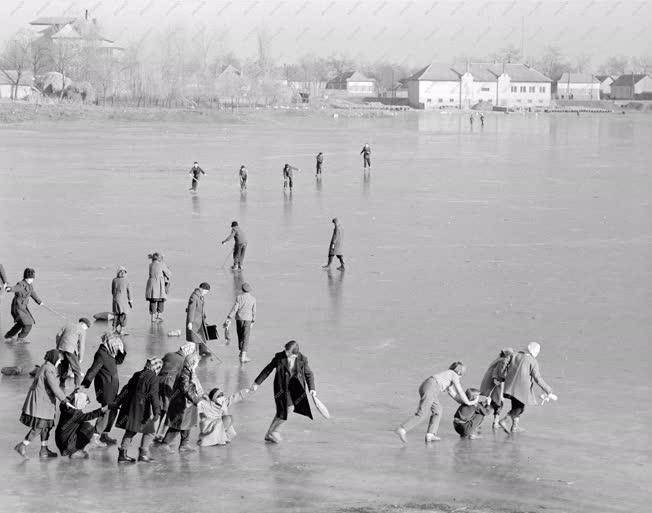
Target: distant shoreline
{"x": 18, "y": 112}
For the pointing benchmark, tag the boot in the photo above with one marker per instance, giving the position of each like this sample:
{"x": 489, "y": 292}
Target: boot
{"x": 503, "y": 424}
{"x": 495, "y": 425}
{"x": 186, "y": 447}
{"x": 21, "y": 449}
{"x": 515, "y": 427}
{"x": 153, "y": 317}
{"x": 243, "y": 357}
{"x": 96, "y": 443}
{"x": 45, "y": 453}
{"x": 105, "y": 438}
{"x": 123, "y": 457}
{"x": 143, "y": 455}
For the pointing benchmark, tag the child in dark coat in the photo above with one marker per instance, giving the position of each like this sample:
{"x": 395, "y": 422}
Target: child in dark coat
{"x": 74, "y": 431}
{"x": 467, "y": 419}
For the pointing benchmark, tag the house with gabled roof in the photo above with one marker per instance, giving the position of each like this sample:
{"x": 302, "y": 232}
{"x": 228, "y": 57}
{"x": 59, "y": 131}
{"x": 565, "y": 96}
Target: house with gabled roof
{"x": 354, "y": 83}
{"x": 605, "y": 85}
{"x": 578, "y": 86}
{"x": 434, "y": 87}
{"x": 632, "y": 87}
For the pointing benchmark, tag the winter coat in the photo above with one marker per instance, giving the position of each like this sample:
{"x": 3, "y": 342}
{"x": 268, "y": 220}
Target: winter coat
{"x": 172, "y": 366}
{"x": 41, "y": 400}
{"x": 121, "y": 293}
{"x": 159, "y": 274}
{"x": 74, "y": 432}
{"x": 335, "y": 247}
{"x": 104, "y": 372}
{"x": 521, "y": 377}
{"x": 195, "y": 315}
{"x": 211, "y": 425}
{"x": 182, "y": 413}
{"x": 139, "y": 403}
{"x": 72, "y": 339}
{"x": 19, "y": 311}
{"x": 289, "y": 386}
{"x": 494, "y": 377}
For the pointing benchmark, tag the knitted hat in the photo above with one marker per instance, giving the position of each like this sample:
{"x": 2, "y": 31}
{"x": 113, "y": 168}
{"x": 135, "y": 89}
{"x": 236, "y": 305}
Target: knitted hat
{"x": 246, "y": 287}
{"x": 187, "y": 348}
{"x": 204, "y": 286}
{"x": 29, "y": 273}
{"x": 85, "y": 321}
{"x": 154, "y": 364}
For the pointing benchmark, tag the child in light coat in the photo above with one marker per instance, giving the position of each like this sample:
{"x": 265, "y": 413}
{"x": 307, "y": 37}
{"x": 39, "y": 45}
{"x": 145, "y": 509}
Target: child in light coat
{"x": 215, "y": 422}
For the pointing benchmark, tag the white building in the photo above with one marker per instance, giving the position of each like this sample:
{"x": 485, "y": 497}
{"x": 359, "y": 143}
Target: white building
{"x": 354, "y": 83}
{"x": 578, "y": 86}
{"x": 631, "y": 87}
{"x": 605, "y": 85}
{"x": 509, "y": 85}
{"x": 8, "y": 87}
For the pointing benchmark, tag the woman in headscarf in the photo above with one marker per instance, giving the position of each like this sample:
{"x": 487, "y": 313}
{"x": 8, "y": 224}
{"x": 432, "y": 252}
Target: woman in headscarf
{"x": 215, "y": 420}
{"x": 121, "y": 293}
{"x": 182, "y": 414}
{"x": 104, "y": 373}
{"x": 157, "y": 286}
{"x": 493, "y": 381}
{"x": 139, "y": 407}
{"x": 522, "y": 375}
{"x": 172, "y": 366}
{"x": 74, "y": 431}
{"x": 40, "y": 405}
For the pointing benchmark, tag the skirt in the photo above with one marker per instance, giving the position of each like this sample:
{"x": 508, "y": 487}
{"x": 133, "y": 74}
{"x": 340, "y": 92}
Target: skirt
{"x": 36, "y": 422}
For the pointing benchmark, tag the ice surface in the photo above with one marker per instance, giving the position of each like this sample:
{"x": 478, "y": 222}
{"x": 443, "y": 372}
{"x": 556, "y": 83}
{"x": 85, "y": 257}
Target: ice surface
{"x": 459, "y": 243}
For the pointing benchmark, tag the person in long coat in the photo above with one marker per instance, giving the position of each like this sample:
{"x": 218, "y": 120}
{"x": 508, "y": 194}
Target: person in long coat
{"x": 196, "y": 319}
{"x": 121, "y": 303}
{"x": 167, "y": 377}
{"x": 335, "y": 247}
{"x": 104, "y": 374}
{"x": 156, "y": 289}
{"x": 522, "y": 375}
{"x": 493, "y": 381}
{"x": 183, "y": 415}
{"x": 40, "y": 406}
{"x": 74, "y": 431}
{"x": 139, "y": 408}
{"x": 23, "y": 318}
{"x": 292, "y": 375}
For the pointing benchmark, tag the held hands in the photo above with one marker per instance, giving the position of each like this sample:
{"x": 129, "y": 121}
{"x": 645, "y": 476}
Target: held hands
{"x": 313, "y": 393}
{"x": 253, "y": 388}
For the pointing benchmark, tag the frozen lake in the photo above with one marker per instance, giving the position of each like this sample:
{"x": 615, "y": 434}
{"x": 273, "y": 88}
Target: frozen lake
{"x": 460, "y": 242}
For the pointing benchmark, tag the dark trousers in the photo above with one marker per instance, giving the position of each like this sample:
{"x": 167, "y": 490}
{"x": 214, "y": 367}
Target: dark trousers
{"x": 20, "y": 329}
{"x": 517, "y": 407}
{"x": 194, "y": 184}
{"x": 69, "y": 361}
{"x": 104, "y": 424}
{"x": 367, "y": 161}
{"x": 239, "y": 254}
{"x": 156, "y": 305}
{"x": 287, "y": 181}
{"x": 318, "y": 168}
{"x": 128, "y": 438}
{"x": 243, "y": 328}
{"x": 465, "y": 429}
{"x": 172, "y": 434}
{"x": 119, "y": 319}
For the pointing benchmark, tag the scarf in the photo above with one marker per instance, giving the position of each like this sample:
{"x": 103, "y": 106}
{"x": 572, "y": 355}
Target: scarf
{"x": 187, "y": 349}
{"x": 113, "y": 344}
{"x": 154, "y": 364}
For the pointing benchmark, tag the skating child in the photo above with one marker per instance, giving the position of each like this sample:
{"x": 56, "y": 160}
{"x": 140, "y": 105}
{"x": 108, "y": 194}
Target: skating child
{"x": 468, "y": 418}
{"x": 215, "y": 422}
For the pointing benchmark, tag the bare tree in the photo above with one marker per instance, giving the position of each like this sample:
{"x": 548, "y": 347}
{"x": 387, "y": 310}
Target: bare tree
{"x": 552, "y": 63}
{"x": 643, "y": 64}
{"x": 509, "y": 53}
{"x": 615, "y": 66}
{"x": 65, "y": 58}
{"x": 582, "y": 63}
{"x": 15, "y": 59}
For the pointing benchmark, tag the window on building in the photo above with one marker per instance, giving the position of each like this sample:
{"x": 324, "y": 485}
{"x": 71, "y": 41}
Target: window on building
{"x": 532, "y": 89}
{"x": 540, "y": 101}
{"x": 518, "y": 101}
{"x": 514, "y": 89}
{"x": 523, "y": 89}
{"x": 529, "y": 101}
{"x": 452, "y": 100}
{"x": 485, "y": 89}
{"x": 429, "y": 100}
{"x": 542, "y": 89}
{"x": 441, "y": 100}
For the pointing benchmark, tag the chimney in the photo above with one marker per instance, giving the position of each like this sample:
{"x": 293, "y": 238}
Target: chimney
{"x": 86, "y": 14}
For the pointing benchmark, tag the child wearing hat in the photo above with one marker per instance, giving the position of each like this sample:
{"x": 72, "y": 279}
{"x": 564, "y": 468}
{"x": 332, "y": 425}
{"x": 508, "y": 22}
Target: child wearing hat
{"x": 215, "y": 421}
{"x": 121, "y": 293}
{"x": 468, "y": 418}
{"x": 74, "y": 431}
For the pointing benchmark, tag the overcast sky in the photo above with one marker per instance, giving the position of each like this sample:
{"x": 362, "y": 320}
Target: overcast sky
{"x": 415, "y": 32}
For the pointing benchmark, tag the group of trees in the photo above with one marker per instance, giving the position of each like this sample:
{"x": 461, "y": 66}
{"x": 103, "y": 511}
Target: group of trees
{"x": 178, "y": 66}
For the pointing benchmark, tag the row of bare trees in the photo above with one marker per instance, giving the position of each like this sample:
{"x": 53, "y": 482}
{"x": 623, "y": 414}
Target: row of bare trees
{"x": 178, "y": 66}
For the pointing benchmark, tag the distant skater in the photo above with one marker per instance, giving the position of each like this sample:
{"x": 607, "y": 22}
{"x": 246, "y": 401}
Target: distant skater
{"x": 71, "y": 343}
{"x": 366, "y": 156}
{"x": 471, "y": 119}
{"x": 244, "y": 312}
{"x": 521, "y": 377}
{"x": 288, "y": 175}
{"x": 196, "y": 173}
{"x": 243, "y": 178}
{"x": 121, "y": 294}
{"x": 23, "y": 318}
{"x": 481, "y": 119}
{"x": 239, "y": 245}
{"x": 320, "y": 163}
{"x": 196, "y": 319}
{"x": 335, "y": 247}
{"x": 446, "y": 381}
{"x": 157, "y": 286}
{"x": 292, "y": 375}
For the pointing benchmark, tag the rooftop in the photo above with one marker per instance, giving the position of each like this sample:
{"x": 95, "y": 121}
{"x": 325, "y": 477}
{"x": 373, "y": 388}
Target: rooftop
{"x": 628, "y": 80}
{"x": 53, "y": 20}
{"x": 578, "y": 78}
{"x": 436, "y": 72}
